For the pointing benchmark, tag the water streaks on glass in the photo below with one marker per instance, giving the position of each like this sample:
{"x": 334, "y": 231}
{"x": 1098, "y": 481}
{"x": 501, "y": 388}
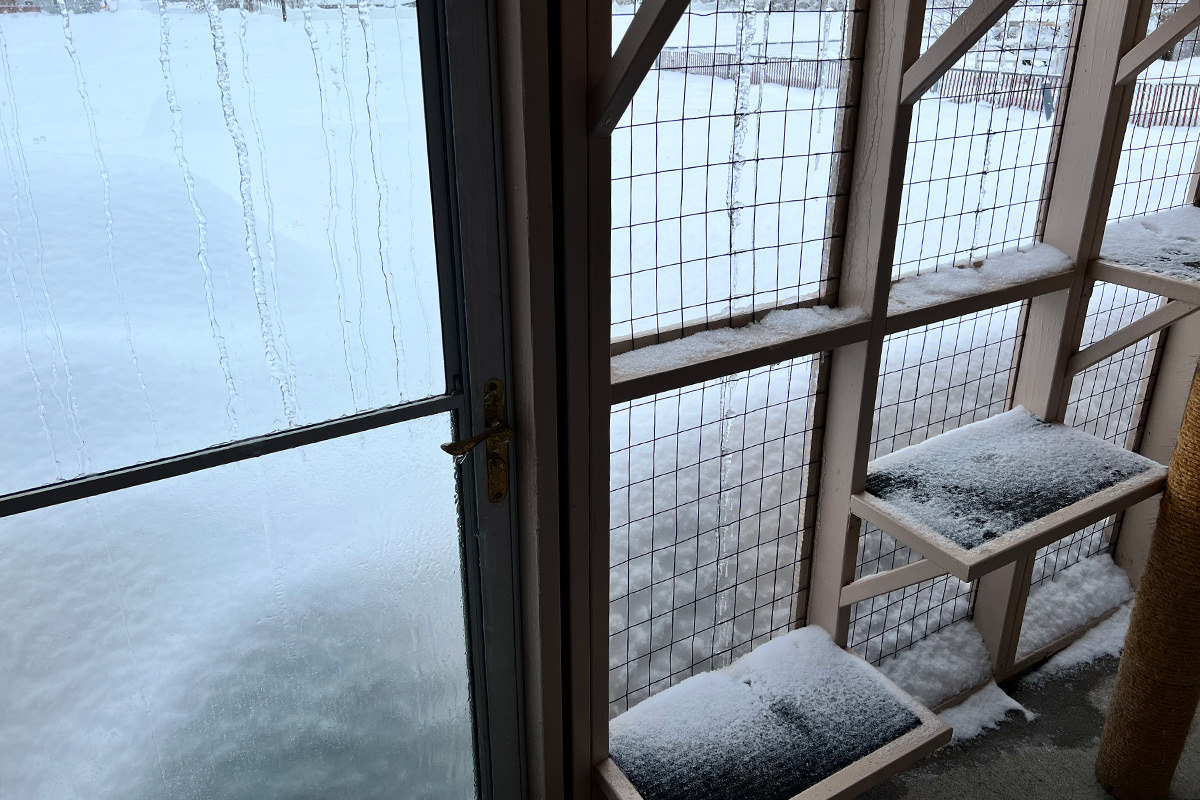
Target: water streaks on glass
{"x": 216, "y": 224}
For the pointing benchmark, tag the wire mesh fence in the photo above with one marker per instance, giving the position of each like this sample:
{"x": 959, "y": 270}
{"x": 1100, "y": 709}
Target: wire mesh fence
{"x": 1106, "y": 401}
{"x": 709, "y": 504}
{"x": 982, "y": 138}
{"x": 723, "y": 167}
{"x": 1158, "y": 157}
{"x": 933, "y": 379}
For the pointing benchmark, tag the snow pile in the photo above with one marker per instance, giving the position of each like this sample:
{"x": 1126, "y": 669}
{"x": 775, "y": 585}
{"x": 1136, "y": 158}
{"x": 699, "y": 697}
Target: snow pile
{"x": 1074, "y": 598}
{"x": 996, "y": 272}
{"x": 982, "y": 711}
{"x": 1165, "y": 243}
{"x": 776, "y": 328}
{"x": 1105, "y": 639}
{"x": 985, "y": 479}
{"x": 941, "y": 665}
{"x": 772, "y": 724}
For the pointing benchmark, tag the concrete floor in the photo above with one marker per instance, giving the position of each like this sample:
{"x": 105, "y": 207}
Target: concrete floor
{"x": 1051, "y": 757}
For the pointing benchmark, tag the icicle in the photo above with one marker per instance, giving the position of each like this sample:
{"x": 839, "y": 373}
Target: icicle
{"x": 90, "y": 114}
{"x": 271, "y": 272}
{"x": 381, "y": 189}
{"x": 54, "y": 338}
{"x": 354, "y": 232}
{"x": 270, "y": 346}
{"x": 331, "y": 228}
{"x": 164, "y": 58}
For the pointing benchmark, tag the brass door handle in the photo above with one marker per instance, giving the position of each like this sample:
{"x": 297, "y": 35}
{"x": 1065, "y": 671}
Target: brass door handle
{"x": 464, "y": 446}
{"x": 497, "y": 432}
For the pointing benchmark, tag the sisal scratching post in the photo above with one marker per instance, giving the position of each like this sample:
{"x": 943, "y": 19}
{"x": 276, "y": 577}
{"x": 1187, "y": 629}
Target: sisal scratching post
{"x": 1158, "y": 680}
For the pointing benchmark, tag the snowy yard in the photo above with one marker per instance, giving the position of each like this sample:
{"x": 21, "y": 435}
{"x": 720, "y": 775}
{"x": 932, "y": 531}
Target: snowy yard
{"x": 217, "y": 225}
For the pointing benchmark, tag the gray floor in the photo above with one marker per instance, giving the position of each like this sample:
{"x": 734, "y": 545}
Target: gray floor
{"x": 1051, "y": 757}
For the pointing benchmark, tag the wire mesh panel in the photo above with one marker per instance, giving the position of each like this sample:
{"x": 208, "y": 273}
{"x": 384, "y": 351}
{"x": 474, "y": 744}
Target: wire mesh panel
{"x": 1159, "y": 154}
{"x": 933, "y": 379}
{"x": 982, "y": 137}
{"x": 1106, "y": 401}
{"x": 722, "y": 165}
{"x": 708, "y": 504}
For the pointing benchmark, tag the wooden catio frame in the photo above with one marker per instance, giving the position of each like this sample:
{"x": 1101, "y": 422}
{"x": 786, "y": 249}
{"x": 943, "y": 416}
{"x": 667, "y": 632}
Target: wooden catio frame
{"x": 559, "y": 204}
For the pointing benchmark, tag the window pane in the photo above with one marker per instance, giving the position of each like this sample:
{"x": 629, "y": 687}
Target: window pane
{"x": 215, "y": 224}
{"x": 287, "y": 627}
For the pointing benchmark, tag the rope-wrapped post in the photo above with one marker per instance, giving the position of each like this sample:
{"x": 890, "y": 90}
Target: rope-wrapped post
{"x": 1158, "y": 680}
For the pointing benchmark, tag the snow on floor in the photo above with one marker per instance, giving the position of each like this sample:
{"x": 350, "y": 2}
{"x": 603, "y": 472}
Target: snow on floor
{"x": 1167, "y": 243}
{"x": 985, "y": 710}
{"x": 775, "y": 722}
{"x": 1105, "y": 639}
{"x": 942, "y": 665}
{"x": 996, "y": 272}
{"x": 776, "y": 328}
{"x": 985, "y": 479}
{"x": 1075, "y": 597}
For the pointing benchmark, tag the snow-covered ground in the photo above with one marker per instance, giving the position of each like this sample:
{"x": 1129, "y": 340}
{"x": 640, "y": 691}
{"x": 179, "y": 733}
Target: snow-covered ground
{"x": 217, "y": 225}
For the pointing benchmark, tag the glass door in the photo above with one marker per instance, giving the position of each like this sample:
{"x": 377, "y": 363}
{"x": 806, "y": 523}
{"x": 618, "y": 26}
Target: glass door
{"x": 244, "y": 302}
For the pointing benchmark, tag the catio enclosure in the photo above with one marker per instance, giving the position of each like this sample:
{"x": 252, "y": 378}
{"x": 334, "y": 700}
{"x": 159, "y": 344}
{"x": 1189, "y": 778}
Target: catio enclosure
{"x": 881, "y": 311}
{"x": 837, "y": 232}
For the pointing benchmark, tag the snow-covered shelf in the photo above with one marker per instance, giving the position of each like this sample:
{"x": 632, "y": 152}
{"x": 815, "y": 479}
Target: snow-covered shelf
{"x": 1157, "y": 253}
{"x": 1005, "y": 277}
{"x": 976, "y": 498}
{"x": 706, "y": 355}
{"x": 798, "y": 718}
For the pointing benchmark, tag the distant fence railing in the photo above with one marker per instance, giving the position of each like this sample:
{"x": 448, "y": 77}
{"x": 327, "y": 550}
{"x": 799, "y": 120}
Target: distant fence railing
{"x": 1154, "y": 104}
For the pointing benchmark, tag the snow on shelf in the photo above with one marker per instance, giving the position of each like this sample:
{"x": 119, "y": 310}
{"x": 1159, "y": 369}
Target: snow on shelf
{"x": 776, "y": 328}
{"x": 943, "y": 665}
{"x": 997, "y": 272}
{"x": 1076, "y": 596}
{"x": 983, "y": 495}
{"x": 789, "y": 717}
{"x": 1158, "y": 253}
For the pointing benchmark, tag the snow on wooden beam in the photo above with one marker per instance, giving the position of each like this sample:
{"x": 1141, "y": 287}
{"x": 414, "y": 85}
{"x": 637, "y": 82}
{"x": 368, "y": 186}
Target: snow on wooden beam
{"x": 987, "y": 494}
{"x": 954, "y": 42}
{"x": 1159, "y": 41}
{"x": 1155, "y": 253}
{"x": 642, "y": 43}
{"x": 1131, "y": 334}
{"x": 890, "y": 581}
{"x": 707, "y": 355}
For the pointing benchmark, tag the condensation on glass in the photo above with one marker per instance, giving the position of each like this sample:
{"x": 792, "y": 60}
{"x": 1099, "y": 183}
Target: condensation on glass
{"x": 216, "y": 224}
{"x": 290, "y": 626}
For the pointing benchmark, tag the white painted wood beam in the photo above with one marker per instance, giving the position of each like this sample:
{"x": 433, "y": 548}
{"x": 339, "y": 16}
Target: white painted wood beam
{"x": 642, "y": 43}
{"x": 1130, "y": 335}
{"x": 976, "y": 20}
{"x": 1160, "y": 40}
{"x": 890, "y": 581}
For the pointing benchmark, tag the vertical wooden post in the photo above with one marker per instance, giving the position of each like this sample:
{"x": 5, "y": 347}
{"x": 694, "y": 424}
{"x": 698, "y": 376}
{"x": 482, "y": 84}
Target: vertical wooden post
{"x": 1088, "y": 151}
{"x": 892, "y": 43}
{"x": 526, "y": 125}
{"x": 579, "y": 55}
{"x": 1178, "y": 356}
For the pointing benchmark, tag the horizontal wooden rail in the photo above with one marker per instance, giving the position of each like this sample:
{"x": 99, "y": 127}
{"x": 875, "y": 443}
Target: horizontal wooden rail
{"x": 1159, "y": 41}
{"x": 955, "y": 41}
{"x": 711, "y": 367}
{"x": 1130, "y": 335}
{"x": 1146, "y": 281}
{"x": 890, "y": 581}
{"x": 949, "y": 309}
{"x": 641, "y": 44}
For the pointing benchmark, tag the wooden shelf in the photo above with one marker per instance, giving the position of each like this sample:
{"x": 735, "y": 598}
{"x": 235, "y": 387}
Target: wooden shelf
{"x": 743, "y": 774}
{"x": 977, "y": 498}
{"x": 1156, "y": 253}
